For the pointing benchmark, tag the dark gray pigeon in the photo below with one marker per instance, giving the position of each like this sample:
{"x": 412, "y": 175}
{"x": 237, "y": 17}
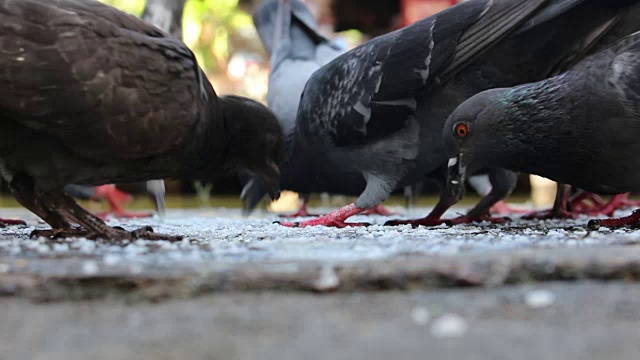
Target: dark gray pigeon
{"x": 167, "y": 16}
{"x": 578, "y": 128}
{"x": 90, "y": 95}
{"x": 378, "y": 110}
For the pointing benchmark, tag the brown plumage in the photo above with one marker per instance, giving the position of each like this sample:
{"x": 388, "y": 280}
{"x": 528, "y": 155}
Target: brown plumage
{"x": 91, "y": 95}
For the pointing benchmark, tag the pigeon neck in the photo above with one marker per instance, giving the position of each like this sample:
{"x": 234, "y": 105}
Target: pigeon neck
{"x": 209, "y": 146}
{"x": 534, "y": 125}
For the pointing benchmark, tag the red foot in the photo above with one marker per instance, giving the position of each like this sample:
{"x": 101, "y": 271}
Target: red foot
{"x": 115, "y": 198}
{"x": 378, "y": 210}
{"x": 633, "y": 219}
{"x": 617, "y": 202}
{"x": 333, "y": 219}
{"x": 11, "y": 222}
{"x": 303, "y": 211}
{"x": 501, "y": 208}
{"x": 112, "y": 194}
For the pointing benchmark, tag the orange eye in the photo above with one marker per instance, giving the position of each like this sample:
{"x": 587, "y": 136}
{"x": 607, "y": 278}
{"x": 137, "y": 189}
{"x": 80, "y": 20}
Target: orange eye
{"x": 461, "y": 130}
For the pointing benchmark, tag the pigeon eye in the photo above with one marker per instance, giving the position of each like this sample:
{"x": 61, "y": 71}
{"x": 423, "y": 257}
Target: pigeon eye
{"x": 461, "y": 130}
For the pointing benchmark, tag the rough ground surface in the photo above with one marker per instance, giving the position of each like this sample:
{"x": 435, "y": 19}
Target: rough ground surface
{"x": 551, "y": 321}
{"x": 240, "y": 288}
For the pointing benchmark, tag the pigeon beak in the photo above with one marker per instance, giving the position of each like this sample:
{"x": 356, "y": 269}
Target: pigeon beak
{"x": 270, "y": 177}
{"x": 251, "y": 195}
{"x": 273, "y": 179}
{"x": 156, "y": 191}
{"x": 456, "y": 176}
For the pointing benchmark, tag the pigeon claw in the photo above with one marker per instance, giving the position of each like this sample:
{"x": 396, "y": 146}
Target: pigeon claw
{"x": 428, "y": 221}
{"x": 378, "y": 210}
{"x": 631, "y": 220}
{"x": 328, "y": 223}
{"x": 550, "y": 215}
{"x": 11, "y": 222}
{"x": 594, "y": 224}
{"x": 502, "y": 208}
{"x": 468, "y": 219}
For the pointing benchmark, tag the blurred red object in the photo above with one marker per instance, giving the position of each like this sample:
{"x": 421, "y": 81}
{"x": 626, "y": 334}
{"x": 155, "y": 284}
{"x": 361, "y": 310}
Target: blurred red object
{"x": 414, "y": 10}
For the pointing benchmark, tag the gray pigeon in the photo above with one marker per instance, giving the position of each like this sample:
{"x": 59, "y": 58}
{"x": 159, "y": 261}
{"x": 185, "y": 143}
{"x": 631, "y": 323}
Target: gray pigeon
{"x": 290, "y": 36}
{"x": 578, "y": 128}
{"x": 297, "y": 49}
{"x": 378, "y": 110}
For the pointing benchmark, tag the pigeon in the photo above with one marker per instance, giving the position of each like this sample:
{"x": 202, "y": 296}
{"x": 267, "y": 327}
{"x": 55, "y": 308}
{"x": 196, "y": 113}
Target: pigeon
{"x": 378, "y": 110}
{"x": 290, "y": 36}
{"x": 167, "y": 16}
{"x": 297, "y": 49}
{"x": 91, "y": 95}
{"x": 570, "y": 205}
{"x": 576, "y": 128}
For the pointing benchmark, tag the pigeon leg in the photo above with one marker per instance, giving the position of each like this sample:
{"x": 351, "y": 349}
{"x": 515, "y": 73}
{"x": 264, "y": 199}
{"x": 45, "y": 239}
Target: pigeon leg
{"x": 23, "y": 190}
{"x": 560, "y": 207}
{"x": 378, "y": 210}
{"x": 633, "y": 219}
{"x": 11, "y": 222}
{"x": 502, "y": 183}
{"x": 302, "y": 211}
{"x": 96, "y": 228}
{"x": 585, "y": 201}
{"x": 502, "y": 208}
{"x": 435, "y": 216}
{"x": 115, "y": 198}
{"x": 334, "y": 219}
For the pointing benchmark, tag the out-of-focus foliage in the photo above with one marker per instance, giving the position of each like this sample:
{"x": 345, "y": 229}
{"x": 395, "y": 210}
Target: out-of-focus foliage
{"x": 222, "y": 36}
{"x": 213, "y": 29}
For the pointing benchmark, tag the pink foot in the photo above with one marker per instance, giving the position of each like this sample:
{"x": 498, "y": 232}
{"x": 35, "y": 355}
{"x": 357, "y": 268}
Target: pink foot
{"x": 502, "y": 208}
{"x": 11, "y": 222}
{"x": 115, "y": 198}
{"x": 378, "y": 210}
{"x": 334, "y": 219}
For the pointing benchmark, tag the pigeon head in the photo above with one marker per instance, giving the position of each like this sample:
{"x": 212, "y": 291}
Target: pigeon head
{"x": 255, "y": 141}
{"x": 470, "y": 134}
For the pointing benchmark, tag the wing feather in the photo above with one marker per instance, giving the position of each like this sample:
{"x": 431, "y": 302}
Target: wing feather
{"x": 370, "y": 91}
{"x": 104, "y": 83}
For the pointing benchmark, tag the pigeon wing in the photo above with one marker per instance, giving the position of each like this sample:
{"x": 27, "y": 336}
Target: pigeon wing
{"x": 103, "y": 83}
{"x": 370, "y": 91}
